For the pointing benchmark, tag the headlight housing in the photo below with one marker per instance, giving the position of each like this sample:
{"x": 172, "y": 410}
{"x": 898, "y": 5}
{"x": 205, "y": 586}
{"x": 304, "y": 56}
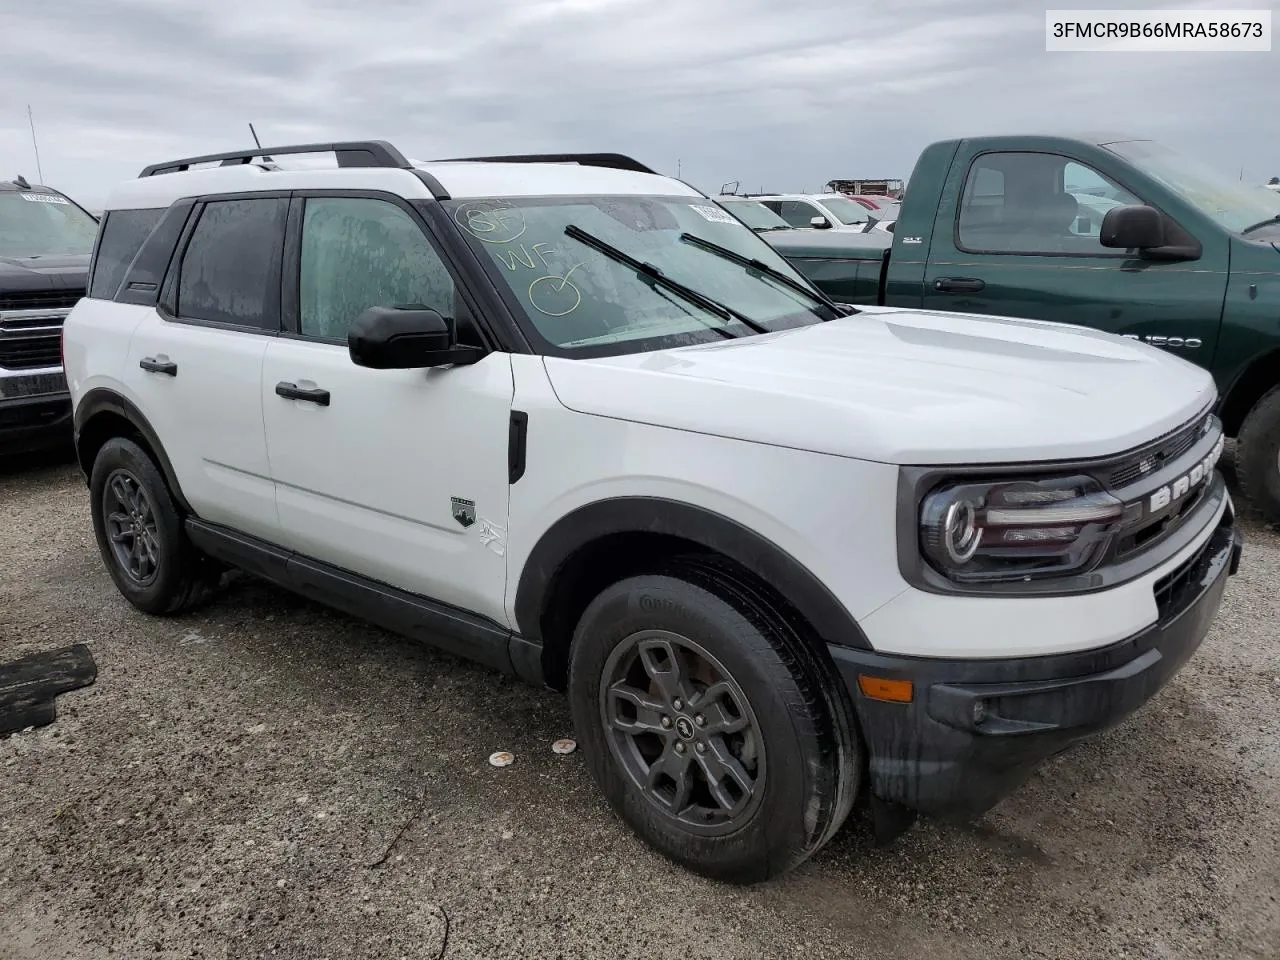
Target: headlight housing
{"x": 1017, "y": 529}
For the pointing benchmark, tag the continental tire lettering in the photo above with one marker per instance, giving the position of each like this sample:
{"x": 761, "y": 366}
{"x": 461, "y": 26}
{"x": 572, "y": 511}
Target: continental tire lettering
{"x": 654, "y": 604}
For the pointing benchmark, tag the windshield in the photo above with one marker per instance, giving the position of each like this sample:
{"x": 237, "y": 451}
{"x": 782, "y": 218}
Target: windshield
{"x": 755, "y": 215}
{"x": 581, "y": 302}
{"x": 38, "y": 224}
{"x": 845, "y": 210}
{"x": 1233, "y": 204}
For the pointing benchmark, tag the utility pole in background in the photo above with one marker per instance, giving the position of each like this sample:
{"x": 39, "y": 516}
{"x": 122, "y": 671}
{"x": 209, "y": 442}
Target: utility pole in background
{"x": 35, "y": 146}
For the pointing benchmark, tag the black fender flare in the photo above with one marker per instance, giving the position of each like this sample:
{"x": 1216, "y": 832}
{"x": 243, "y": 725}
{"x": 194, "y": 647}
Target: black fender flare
{"x": 817, "y": 604}
{"x": 102, "y": 400}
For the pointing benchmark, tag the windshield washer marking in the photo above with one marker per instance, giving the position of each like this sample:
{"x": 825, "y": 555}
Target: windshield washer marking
{"x": 548, "y": 292}
{"x": 493, "y": 221}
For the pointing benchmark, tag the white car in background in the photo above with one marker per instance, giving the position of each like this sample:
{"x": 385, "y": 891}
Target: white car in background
{"x": 824, "y": 211}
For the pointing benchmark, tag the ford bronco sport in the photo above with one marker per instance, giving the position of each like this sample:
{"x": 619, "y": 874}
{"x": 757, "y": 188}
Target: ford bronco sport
{"x": 569, "y": 418}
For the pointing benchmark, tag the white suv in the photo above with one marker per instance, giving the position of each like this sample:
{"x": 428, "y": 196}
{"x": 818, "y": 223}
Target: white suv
{"x": 569, "y": 418}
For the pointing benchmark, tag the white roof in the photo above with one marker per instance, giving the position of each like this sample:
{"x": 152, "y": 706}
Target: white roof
{"x": 461, "y": 179}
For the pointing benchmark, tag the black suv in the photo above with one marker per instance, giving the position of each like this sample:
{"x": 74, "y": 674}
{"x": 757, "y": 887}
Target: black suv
{"x": 45, "y": 242}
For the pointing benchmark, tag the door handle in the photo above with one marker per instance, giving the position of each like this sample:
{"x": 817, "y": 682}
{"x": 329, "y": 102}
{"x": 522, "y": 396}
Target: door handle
{"x": 291, "y": 391}
{"x": 159, "y": 366}
{"x": 958, "y": 285}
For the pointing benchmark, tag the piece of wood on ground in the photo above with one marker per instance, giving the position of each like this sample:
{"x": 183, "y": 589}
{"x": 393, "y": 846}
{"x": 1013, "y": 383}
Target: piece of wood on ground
{"x": 30, "y": 685}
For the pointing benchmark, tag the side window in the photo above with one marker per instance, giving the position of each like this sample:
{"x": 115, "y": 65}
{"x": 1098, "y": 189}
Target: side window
{"x": 123, "y": 233}
{"x": 230, "y": 271}
{"x": 362, "y": 252}
{"x": 797, "y": 213}
{"x": 1035, "y": 203}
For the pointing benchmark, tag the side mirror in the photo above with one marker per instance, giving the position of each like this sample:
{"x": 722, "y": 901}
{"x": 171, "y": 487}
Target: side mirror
{"x": 820, "y": 223}
{"x": 1133, "y": 226}
{"x": 406, "y": 338}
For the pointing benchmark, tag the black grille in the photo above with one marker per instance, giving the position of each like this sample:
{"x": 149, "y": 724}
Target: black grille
{"x": 1171, "y": 590}
{"x": 28, "y": 351}
{"x": 1156, "y": 456}
{"x": 40, "y": 299}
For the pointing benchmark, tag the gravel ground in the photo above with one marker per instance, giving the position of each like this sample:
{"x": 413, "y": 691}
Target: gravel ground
{"x": 233, "y": 782}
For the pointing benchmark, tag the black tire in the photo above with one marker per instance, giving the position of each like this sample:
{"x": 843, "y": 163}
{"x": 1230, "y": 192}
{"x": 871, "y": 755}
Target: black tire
{"x": 1258, "y": 457}
{"x": 178, "y": 577}
{"x": 811, "y": 762}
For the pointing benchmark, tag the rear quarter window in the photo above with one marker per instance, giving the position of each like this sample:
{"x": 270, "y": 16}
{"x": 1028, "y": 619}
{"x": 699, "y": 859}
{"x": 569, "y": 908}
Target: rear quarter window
{"x": 123, "y": 233}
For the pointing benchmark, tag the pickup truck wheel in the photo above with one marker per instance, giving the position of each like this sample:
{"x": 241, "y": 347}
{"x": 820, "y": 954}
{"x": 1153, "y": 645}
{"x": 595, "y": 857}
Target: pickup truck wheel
{"x": 1258, "y": 457}
{"x": 706, "y": 728}
{"x": 140, "y": 535}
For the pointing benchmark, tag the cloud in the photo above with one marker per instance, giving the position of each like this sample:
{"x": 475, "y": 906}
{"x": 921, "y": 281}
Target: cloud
{"x": 781, "y": 96}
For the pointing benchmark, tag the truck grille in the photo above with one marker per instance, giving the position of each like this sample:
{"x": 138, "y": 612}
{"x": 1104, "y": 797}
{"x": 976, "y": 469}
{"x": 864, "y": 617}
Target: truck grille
{"x": 1163, "y": 451}
{"x": 40, "y": 300}
{"x": 29, "y": 351}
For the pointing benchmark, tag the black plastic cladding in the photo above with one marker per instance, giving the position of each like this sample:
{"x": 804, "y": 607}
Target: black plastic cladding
{"x": 914, "y": 483}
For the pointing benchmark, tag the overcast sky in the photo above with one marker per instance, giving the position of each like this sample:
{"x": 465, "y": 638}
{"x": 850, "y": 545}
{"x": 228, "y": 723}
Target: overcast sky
{"x": 779, "y": 95}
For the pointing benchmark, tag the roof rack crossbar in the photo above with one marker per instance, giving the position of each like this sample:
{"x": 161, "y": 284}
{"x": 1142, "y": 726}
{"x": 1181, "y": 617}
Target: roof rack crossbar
{"x": 616, "y": 161}
{"x": 352, "y": 153}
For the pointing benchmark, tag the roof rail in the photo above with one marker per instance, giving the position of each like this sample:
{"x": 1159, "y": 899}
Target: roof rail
{"x": 617, "y": 161}
{"x": 351, "y": 153}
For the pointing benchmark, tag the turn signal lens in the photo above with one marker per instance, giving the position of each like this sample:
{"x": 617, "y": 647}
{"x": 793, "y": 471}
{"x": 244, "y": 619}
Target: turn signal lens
{"x": 885, "y": 688}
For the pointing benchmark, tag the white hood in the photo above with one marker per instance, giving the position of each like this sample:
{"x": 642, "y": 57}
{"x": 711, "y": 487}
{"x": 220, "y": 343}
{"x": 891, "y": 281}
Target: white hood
{"x": 904, "y": 386}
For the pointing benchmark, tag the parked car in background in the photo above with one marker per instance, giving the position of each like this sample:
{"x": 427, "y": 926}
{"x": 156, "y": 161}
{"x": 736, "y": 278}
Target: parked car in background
{"x": 1175, "y": 255}
{"x": 577, "y": 422}
{"x": 753, "y": 213}
{"x": 824, "y": 211}
{"x": 45, "y": 243}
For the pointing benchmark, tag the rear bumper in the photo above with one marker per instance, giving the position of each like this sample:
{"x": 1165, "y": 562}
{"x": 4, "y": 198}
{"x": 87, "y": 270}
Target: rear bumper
{"x": 976, "y": 729}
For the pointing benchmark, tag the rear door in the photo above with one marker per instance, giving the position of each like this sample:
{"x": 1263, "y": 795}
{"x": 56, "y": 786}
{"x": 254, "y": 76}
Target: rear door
{"x": 1018, "y": 236}
{"x": 195, "y": 361}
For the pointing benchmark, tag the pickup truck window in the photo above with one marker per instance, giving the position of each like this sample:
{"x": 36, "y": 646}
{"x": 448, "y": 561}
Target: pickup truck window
{"x": 1233, "y": 204}
{"x": 38, "y": 224}
{"x": 1035, "y": 204}
{"x": 796, "y": 212}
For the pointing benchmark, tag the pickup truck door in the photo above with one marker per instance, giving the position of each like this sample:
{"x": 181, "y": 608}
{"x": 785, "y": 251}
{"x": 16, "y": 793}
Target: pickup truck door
{"x": 399, "y": 476}
{"x": 1017, "y": 235}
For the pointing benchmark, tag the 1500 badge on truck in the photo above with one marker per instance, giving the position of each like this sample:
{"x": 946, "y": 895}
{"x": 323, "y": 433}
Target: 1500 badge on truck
{"x": 564, "y": 416}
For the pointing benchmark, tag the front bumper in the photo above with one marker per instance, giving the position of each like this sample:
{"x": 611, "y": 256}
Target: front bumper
{"x": 974, "y": 730}
{"x": 35, "y": 410}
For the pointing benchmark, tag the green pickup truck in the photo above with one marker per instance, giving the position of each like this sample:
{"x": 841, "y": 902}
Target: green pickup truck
{"x": 1117, "y": 233}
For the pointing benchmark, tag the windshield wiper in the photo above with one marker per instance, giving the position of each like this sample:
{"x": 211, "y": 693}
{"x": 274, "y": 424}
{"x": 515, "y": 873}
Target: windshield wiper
{"x": 658, "y": 278}
{"x": 751, "y": 263}
{"x": 1260, "y": 224}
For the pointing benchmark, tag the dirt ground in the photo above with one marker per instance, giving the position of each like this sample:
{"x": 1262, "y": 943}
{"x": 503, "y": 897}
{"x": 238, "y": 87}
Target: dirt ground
{"x": 234, "y": 785}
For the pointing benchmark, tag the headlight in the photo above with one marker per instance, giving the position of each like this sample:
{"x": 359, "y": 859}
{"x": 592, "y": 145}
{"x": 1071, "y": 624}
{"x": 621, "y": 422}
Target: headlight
{"x": 1017, "y": 530}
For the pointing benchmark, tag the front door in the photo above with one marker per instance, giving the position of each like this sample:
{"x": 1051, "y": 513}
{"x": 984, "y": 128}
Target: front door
{"x": 397, "y": 475}
{"x": 1022, "y": 241}
{"x": 195, "y": 363}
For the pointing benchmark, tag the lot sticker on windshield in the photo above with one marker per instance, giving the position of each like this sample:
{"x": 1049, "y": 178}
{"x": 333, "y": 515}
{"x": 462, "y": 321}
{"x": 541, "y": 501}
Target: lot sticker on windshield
{"x": 715, "y": 214}
{"x": 42, "y": 198}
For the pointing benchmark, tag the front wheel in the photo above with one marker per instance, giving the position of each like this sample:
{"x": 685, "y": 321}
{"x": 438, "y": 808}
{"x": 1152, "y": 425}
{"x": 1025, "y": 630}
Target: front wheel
{"x": 1258, "y": 457}
{"x": 711, "y": 730}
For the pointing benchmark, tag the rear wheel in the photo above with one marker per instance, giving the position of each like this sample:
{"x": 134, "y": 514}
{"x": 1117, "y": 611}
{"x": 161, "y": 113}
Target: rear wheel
{"x": 712, "y": 730}
{"x": 140, "y": 535}
{"x": 1258, "y": 456}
